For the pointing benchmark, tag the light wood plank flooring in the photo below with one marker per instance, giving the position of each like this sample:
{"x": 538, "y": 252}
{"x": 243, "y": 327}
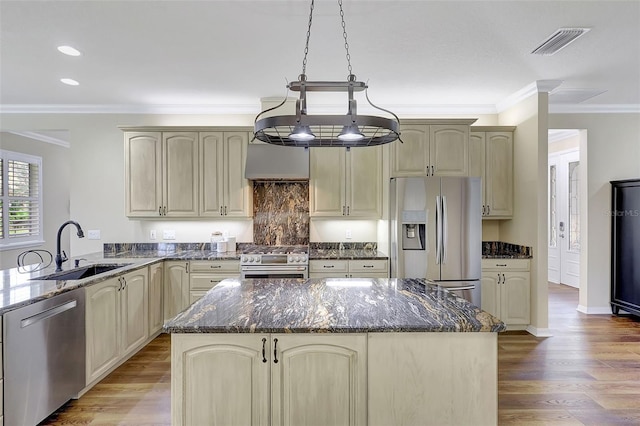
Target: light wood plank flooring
{"x": 588, "y": 373}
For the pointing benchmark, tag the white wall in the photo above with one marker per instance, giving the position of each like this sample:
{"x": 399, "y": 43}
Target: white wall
{"x": 55, "y": 185}
{"x": 612, "y": 152}
{"x": 529, "y": 224}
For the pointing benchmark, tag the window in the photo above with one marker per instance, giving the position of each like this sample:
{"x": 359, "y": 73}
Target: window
{"x": 20, "y": 200}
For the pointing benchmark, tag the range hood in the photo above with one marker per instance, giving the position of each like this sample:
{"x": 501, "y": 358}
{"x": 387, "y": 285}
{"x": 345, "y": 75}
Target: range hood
{"x": 272, "y": 162}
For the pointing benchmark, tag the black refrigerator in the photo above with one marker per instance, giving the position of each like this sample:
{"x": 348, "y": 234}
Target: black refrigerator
{"x": 625, "y": 246}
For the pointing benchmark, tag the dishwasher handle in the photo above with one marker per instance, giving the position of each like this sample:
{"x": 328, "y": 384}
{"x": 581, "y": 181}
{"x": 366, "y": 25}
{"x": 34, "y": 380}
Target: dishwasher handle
{"x": 52, "y": 312}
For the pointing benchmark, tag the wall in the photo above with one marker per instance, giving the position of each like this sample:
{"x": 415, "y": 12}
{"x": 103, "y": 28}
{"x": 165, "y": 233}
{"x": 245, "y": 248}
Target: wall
{"x": 611, "y": 150}
{"x": 529, "y": 224}
{"x": 55, "y": 186}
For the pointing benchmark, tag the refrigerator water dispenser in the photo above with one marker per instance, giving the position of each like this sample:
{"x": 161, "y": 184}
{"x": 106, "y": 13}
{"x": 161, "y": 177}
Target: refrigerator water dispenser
{"x": 413, "y": 229}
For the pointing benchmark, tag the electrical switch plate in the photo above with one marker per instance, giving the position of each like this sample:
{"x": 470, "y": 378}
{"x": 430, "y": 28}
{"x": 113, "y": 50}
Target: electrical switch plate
{"x": 152, "y": 234}
{"x": 93, "y": 234}
{"x": 348, "y": 234}
{"x": 168, "y": 234}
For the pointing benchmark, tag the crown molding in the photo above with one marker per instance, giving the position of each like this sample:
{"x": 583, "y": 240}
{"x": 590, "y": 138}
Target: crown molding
{"x": 41, "y": 137}
{"x": 129, "y": 109}
{"x": 539, "y": 86}
{"x": 557, "y": 135}
{"x": 594, "y": 109}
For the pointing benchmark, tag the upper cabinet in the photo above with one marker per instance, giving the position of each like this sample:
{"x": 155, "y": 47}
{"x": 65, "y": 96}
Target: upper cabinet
{"x": 491, "y": 157}
{"x": 183, "y": 174}
{"x": 345, "y": 183}
{"x": 431, "y": 148}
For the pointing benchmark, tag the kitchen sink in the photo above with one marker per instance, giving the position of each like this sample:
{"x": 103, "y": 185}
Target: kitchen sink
{"x": 83, "y": 272}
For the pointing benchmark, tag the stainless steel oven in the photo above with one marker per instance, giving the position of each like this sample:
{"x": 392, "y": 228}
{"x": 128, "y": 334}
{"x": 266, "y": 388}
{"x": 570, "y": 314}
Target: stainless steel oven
{"x": 274, "y": 265}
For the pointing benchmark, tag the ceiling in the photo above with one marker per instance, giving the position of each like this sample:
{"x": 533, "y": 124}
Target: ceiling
{"x": 224, "y": 56}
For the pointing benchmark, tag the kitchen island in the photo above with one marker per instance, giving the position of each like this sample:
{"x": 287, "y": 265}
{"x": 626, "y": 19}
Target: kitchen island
{"x": 333, "y": 351}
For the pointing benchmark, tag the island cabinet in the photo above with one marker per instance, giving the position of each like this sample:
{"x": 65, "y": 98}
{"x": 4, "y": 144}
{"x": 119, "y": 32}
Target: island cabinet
{"x": 506, "y": 288}
{"x": 206, "y": 274}
{"x": 491, "y": 158}
{"x": 352, "y": 268}
{"x": 161, "y": 174}
{"x": 225, "y": 191}
{"x": 1, "y": 377}
{"x": 268, "y": 379}
{"x": 156, "y": 297}
{"x": 116, "y": 321}
{"x": 431, "y": 148}
{"x": 176, "y": 287}
{"x": 345, "y": 183}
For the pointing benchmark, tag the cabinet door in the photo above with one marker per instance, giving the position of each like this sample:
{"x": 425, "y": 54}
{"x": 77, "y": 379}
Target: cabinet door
{"x": 156, "y": 299}
{"x": 364, "y": 182}
{"x": 449, "y": 150}
{"x": 328, "y": 268}
{"x": 220, "y": 379}
{"x": 327, "y": 182}
{"x": 490, "y": 293}
{"x": 211, "y": 166}
{"x": 181, "y": 174}
{"x": 237, "y": 190}
{"x": 176, "y": 287}
{"x": 411, "y": 158}
{"x": 319, "y": 380}
{"x": 499, "y": 173}
{"x": 515, "y": 298}
{"x": 102, "y": 327}
{"x": 143, "y": 174}
{"x": 134, "y": 310}
{"x": 477, "y": 161}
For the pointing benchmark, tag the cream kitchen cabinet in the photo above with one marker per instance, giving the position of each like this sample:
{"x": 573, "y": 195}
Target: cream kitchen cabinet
{"x": 431, "y": 148}
{"x": 176, "y": 287}
{"x": 263, "y": 379}
{"x": 206, "y": 274}
{"x": 116, "y": 321}
{"x": 491, "y": 158}
{"x": 225, "y": 191}
{"x": 345, "y": 183}
{"x": 161, "y": 174}
{"x": 156, "y": 297}
{"x": 353, "y": 268}
{"x": 1, "y": 377}
{"x": 506, "y": 288}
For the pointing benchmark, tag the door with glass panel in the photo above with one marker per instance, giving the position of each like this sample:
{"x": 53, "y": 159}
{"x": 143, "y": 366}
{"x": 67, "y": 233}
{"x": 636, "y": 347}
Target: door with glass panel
{"x": 564, "y": 218}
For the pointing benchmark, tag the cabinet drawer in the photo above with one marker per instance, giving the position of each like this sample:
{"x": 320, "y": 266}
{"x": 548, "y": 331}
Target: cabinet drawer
{"x": 332, "y": 266}
{"x": 221, "y": 266}
{"x": 368, "y": 266}
{"x": 505, "y": 264}
{"x": 204, "y": 282}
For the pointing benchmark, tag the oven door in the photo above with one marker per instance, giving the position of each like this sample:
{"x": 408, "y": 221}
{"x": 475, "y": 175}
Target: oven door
{"x": 283, "y": 271}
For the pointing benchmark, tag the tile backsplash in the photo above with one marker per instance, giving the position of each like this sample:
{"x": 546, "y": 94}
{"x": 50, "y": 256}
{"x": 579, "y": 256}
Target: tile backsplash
{"x": 281, "y": 213}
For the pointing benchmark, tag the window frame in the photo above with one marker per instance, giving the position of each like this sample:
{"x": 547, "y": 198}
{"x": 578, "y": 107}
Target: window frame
{"x": 6, "y": 242}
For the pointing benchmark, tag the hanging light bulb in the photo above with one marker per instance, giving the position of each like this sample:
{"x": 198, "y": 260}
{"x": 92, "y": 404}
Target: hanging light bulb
{"x": 302, "y": 134}
{"x": 350, "y": 134}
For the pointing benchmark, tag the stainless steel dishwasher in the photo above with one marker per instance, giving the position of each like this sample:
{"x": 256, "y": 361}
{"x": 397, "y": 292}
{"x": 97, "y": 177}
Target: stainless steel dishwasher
{"x": 44, "y": 357}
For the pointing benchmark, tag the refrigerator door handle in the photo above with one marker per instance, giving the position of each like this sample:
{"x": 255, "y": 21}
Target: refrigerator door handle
{"x": 438, "y": 230}
{"x": 445, "y": 226}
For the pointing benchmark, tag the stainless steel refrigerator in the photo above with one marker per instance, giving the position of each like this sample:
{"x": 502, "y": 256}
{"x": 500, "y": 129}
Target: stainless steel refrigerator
{"x": 436, "y": 232}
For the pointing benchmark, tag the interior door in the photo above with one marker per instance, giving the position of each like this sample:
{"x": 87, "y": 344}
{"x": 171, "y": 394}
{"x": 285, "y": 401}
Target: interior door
{"x": 564, "y": 218}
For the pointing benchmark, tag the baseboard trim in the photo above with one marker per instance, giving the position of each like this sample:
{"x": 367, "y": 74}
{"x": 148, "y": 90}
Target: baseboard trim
{"x": 539, "y": 332}
{"x": 599, "y": 310}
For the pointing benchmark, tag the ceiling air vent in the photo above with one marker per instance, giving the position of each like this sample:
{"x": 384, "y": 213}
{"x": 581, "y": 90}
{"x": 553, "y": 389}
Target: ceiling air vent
{"x": 559, "y": 39}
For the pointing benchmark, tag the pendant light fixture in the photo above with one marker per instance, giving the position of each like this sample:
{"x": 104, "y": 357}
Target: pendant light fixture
{"x": 348, "y": 130}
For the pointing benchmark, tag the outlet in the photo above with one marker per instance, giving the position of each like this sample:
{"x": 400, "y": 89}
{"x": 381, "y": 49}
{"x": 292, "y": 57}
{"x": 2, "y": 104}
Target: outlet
{"x": 168, "y": 234}
{"x": 93, "y": 234}
{"x": 152, "y": 234}
{"x": 348, "y": 234}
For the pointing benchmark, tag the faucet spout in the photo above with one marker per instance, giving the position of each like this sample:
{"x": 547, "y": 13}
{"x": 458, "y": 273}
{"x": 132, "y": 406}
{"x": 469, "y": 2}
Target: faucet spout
{"x": 61, "y": 256}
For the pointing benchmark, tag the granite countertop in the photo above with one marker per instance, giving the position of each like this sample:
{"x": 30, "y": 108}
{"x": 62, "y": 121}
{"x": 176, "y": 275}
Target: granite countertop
{"x": 327, "y": 254}
{"x": 333, "y": 305}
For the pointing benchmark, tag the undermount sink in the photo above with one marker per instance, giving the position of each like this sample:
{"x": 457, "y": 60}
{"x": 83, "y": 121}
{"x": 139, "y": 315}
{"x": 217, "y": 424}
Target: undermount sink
{"x": 83, "y": 272}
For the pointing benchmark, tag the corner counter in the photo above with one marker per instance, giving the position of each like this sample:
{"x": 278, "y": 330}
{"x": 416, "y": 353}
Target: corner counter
{"x": 333, "y": 351}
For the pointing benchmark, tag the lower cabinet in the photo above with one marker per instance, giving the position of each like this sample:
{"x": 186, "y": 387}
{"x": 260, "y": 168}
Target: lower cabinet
{"x": 116, "y": 320}
{"x": 176, "y": 287}
{"x": 354, "y": 268}
{"x": 206, "y": 274}
{"x": 262, "y": 379}
{"x": 506, "y": 290}
{"x": 156, "y": 297}
{"x": 1, "y": 377}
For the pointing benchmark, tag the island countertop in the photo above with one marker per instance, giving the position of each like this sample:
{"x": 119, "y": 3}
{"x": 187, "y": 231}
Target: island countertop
{"x": 331, "y": 305}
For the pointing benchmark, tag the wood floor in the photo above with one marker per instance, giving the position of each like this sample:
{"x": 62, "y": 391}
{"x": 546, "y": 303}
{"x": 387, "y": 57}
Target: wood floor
{"x": 588, "y": 373}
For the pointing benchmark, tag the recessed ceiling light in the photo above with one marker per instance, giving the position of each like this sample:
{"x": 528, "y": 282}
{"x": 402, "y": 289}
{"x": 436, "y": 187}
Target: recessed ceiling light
{"x": 69, "y": 81}
{"x": 68, "y": 50}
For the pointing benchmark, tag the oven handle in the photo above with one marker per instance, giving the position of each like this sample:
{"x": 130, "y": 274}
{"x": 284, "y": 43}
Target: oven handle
{"x": 273, "y": 268}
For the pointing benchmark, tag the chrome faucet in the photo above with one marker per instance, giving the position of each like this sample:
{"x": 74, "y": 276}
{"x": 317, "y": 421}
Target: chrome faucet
{"x": 61, "y": 256}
